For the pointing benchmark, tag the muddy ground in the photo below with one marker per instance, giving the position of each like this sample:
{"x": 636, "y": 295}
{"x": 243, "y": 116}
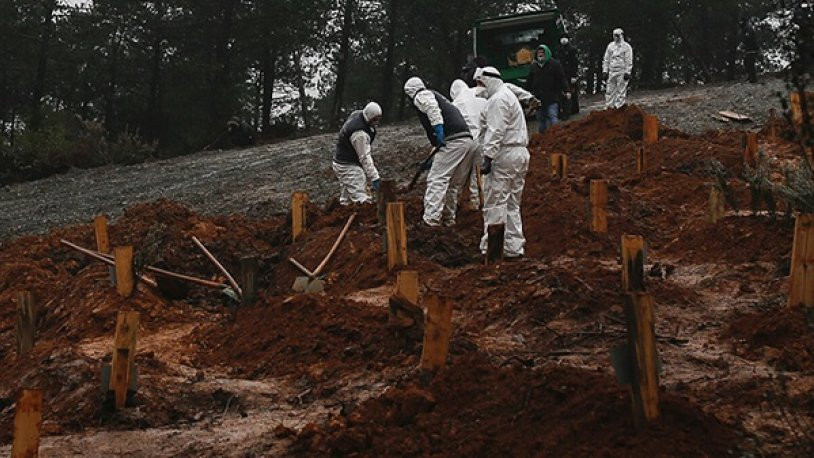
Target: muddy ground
{"x": 528, "y": 371}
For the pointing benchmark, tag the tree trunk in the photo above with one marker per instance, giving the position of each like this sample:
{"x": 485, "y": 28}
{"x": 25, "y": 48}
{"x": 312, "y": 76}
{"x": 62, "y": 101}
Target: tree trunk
{"x": 110, "y": 93}
{"x": 269, "y": 74}
{"x": 42, "y": 66}
{"x": 219, "y": 108}
{"x": 389, "y": 60}
{"x": 152, "y": 124}
{"x": 405, "y": 73}
{"x": 342, "y": 66}
{"x": 301, "y": 86}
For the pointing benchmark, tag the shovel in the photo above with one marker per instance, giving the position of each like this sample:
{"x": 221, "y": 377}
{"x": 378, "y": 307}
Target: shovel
{"x": 418, "y": 173}
{"x": 310, "y": 283}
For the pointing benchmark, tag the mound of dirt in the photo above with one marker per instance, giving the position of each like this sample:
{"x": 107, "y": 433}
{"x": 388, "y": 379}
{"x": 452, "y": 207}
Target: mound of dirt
{"x": 784, "y": 337}
{"x": 313, "y": 335}
{"x": 475, "y": 409}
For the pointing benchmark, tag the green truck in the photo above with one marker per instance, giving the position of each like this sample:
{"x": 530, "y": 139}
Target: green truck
{"x": 508, "y": 42}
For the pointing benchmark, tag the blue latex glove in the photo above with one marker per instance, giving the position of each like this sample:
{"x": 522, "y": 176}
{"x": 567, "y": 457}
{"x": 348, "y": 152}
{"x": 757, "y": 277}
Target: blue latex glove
{"x": 375, "y": 185}
{"x": 426, "y": 164}
{"x": 439, "y": 134}
{"x": 486, "y": 167}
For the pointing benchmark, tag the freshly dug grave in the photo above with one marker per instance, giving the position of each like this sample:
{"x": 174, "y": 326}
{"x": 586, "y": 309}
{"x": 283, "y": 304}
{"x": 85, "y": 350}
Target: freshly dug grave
{"x": 784, "y": 337}
{"x": 474, "y": 408}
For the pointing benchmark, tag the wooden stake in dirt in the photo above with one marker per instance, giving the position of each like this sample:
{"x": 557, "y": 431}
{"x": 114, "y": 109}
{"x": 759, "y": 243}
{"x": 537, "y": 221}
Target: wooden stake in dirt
{"x": 641, "y": 160}
{"x": 750, "y": 150}
{"x": 123, "y": 256}
{"x": 385, "y": 195}
{"x": 26, "y": 328}
{"x": 797, "y": 106}
{"x": 396, "y": 236}
{"x": 716, "y": 209}
{"x": 651, "y": 129}
{"x": 599, "y": 206}
{"x": 772, "y": 125}
{"x": 559, "y": 165}
{"x": 248, "y": 278}
{"x": 404, "y": 311}
{"x": 124, "y": 352}
{"x": 299, "y": 213}
{"x": 102, "y": 238}
{"x": 642, "y": 344}
{"x": 437, "y": 331}
{"x": 802, "y": 262}
{"x": 633, "y": 255}
{"x": 407, "y": 285}
{"x": 479, "y": 181}
{"x": 495, "y": 238}
{"x": 27, "y": 422}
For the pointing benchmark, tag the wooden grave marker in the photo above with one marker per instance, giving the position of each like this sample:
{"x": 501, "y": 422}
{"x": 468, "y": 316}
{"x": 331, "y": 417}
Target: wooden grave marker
{"x": 124, "y": 353}
{"x": 641, "y": 160}
{"x": 750, "y": 149}
{"x": 27, "y": 423}
{"x": 495, "y": 238}
{"x": 385, "y": 195}
{"x": 797, "y": 106}
{"x": 437, "y": 332}
{"x": 404, "y": 311}
{"x": 650, "y": 134}
{"x": 716, "y": 209}
{"x": 644, "y": 384}
{"x": 599, "y": 206}
{"x": 248, "y": 280}
{"x": 801, "y": 291}
{"x": 633, "y": 259}
{"x": 26, "y": 326}
{"x": 125, "y": 283}
{"x": 299, "y": 214}
{"x": 559, "y": 165}
{"x": 396, "y": 235}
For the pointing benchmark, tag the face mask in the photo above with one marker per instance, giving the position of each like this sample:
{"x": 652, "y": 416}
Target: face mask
{"x": 563, "y": 41}
{"x": 480, "y": 91}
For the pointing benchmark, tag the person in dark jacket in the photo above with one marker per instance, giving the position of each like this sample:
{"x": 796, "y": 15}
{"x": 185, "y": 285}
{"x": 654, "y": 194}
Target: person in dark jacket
{"x": 570, "y": 65}
{"x": 546, "y": 81}
{"x": 353, "y": 164}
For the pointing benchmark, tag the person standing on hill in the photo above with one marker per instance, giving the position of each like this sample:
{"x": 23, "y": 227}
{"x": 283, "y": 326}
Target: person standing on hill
{"x": 471, "y": 107}
{"x": 546, "y": 81}
{"x": 504, "y": 140}
{"x": 570, "y": 64}
{"x": 455, "y": 148}
{"x": 353, "y": 164}
{"x": 616, "y": 68}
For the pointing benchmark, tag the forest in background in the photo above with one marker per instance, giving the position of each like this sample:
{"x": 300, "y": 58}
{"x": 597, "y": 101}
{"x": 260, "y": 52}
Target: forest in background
{"x": 121, "y": 81}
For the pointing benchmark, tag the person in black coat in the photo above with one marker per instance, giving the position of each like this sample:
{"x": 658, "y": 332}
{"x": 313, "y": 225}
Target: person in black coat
{"x": 547, "y": 82}
{"x": 570, "y": 64}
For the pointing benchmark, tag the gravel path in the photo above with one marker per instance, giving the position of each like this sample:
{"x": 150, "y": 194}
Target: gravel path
{"x": 258, "y": 181}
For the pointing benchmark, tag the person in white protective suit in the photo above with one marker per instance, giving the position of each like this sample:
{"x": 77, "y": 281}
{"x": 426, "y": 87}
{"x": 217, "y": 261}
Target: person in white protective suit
{"x": 503, "y": 140}
{"x": 455, "y": 148}
{"x": 352, "y": 163}
{"x": 471, "y": 107}
{"x": 616, "y": 68}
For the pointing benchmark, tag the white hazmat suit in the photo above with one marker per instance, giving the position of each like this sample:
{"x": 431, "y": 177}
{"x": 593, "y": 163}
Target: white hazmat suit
{"x": 353, "y": 177}
{"x": 617, "y": 64}
{"x": 504, "y": 138}
{"x": 452, "y": 161}
{"x": 472, "y": 108}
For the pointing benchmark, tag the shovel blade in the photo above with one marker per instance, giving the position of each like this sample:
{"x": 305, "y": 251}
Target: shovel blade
{"x": 315, "y": 286}
{"x": 300, "y": 284}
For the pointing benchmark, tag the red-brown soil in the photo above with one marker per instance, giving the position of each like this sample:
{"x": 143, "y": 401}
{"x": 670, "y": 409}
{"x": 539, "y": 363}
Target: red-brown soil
{"x": 475, "y": 408}
{"x": 528, "y": 334}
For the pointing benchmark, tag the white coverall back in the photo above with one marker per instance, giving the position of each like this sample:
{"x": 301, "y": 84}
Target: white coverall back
{"x": 471, "y": 107}
{"x": 504, "y": 138}
{"x": 618, "y": 61}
